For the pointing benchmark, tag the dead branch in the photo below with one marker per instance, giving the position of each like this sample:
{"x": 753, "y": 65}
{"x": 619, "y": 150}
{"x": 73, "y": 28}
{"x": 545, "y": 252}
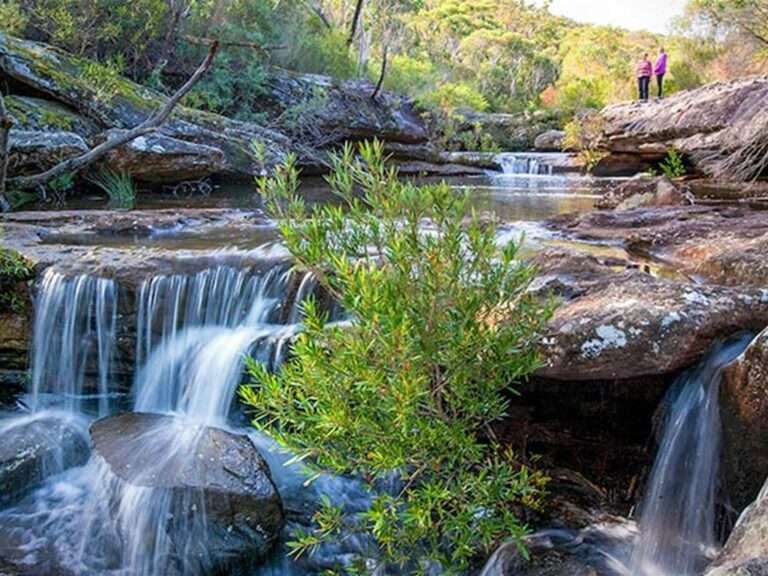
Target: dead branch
{"x": 118, "y": 138}
{"x": 6, "y": 122}
{"x": 319, "y": 13}
{"x": 202, "y": 41}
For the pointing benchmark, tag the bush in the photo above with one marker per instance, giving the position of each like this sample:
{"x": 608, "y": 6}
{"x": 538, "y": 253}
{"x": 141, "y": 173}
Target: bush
{"x": 584, "y": 134}
{"x": 673, "y": 165}
{"x": 440, "y": 327}
{"x": 448, "y": 96}
{"x": 13, "y": 21}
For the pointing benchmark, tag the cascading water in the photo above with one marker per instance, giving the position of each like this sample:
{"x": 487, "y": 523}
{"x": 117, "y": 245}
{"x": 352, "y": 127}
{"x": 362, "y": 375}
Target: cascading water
{"x": 526, "y": 163}
{"x": 75, "y": 337}
{"x": 677, "y": 523}
{"x": 193, "y": 333}
{"x": 675, "y": 534}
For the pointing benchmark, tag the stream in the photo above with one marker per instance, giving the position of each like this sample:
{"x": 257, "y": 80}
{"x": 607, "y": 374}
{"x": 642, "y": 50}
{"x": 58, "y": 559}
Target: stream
{"x": 183, "y": 337}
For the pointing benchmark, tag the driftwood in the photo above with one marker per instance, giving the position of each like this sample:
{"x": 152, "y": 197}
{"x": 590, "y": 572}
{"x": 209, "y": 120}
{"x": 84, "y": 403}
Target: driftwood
{"x": 118, "y": 138}
{"x": 6, "y": 121}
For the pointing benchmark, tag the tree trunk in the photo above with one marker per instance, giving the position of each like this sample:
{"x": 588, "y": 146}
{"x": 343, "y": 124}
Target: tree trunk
{"x": 179, "y": 9}
{"x": 383, "y": 73}
{"x": 119, "y": 138}
{"x": 355, "y": 21}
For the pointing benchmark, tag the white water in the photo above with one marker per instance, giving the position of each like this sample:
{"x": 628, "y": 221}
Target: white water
{"x": 677, "y": 523}
{"x": 527, "y": 163}
{"x": 193, "y": 333}
{"x": 74, "y": 336}
{"x": 675, "y": 533}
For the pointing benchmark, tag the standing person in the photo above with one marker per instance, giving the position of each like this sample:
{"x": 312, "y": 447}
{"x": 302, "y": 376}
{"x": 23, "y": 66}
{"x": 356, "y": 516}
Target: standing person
{"x": 644, "y": 72}
{"x": 660, "y": 69}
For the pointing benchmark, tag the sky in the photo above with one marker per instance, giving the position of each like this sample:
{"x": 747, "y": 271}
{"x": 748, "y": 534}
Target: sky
{"x": 653, "y": 15}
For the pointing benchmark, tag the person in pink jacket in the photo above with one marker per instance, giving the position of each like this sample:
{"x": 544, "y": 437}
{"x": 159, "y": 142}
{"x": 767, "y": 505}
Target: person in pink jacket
{"x": 644, "y": 72}
{"x": 660, "y": 69}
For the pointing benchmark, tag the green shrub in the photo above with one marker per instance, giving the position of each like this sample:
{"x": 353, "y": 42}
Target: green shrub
{"x": 119, "y": 186}
{"x": 441, "y": 326}
{"x": 13, "y": 20}
{"x": 673, "y": 165}
{"x": 448, "y": 96}
{"x": 584, "y": 134}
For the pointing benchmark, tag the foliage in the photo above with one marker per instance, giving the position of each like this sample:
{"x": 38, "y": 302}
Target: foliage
{"x": 673, "y": 165}
{"x": 119, "y": 186}
{"x": 584, "y": 134}
{"x": 440, "y": 327}
{"x": 12, "y": 19}
{"x": 14, "y": 269}
{"x": 451, "y": 96}
{"x": 103, "y": 79}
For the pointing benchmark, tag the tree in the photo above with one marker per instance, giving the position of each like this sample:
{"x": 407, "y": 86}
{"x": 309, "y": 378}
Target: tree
{"x": 440, "y": 327}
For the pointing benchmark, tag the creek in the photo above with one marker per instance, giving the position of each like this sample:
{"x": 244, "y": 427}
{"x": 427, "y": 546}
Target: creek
{"x": 181, "y": 337}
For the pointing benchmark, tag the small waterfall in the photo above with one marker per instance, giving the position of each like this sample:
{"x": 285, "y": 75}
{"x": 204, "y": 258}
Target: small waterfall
{"x": 675, "y": 534}
{"x": 678, "y": 511}
{"x": 525, "y": 163}
{"x": 196, "y": 330}
{"x": 74, "y": 338}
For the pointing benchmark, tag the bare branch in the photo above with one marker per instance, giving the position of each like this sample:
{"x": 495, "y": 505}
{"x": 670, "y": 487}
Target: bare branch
{"x": 118, "y": 138}
{"x": 383, "y": 73}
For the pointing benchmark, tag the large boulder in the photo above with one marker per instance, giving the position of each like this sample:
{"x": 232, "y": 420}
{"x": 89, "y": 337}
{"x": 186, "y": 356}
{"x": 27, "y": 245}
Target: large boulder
{"x": 156, "y": 158}
{"x": 35, "y": 447}
{"x": 633, "y": 324}
{"x": 700, "y": 124}
{"x": 59, "y": 80}
{"x": 210, "y": 477}
{"x": 33, "y": 152}
{"x": 642, "y": 192}
{"x": 315, "y": 107}
{"x": 744, "y": 407}
{"x": 550, "y": 141}
{"x": 746, "y": 551}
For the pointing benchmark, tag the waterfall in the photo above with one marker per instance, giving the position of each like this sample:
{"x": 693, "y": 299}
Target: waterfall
{"x": 74, "y": 339}
{"x": 678, "y": 516}
{"x": 526, "y": 163}
{"x": 675, "y": 534}
{"x": 197, "y": 330}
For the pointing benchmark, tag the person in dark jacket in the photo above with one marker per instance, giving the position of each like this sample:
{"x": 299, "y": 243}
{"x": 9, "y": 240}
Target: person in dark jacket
{"x": 644, "y": 72}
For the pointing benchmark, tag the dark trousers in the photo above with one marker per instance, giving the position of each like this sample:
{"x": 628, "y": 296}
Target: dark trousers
{"x": 660, "y": 82}
{"x": 643, "y": 84}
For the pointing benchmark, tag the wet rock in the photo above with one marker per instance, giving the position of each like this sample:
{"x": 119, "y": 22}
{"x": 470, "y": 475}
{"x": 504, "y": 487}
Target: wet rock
{"x": 157, "y": 158}
{"x": 31, "y": 152}
{"x": 556, "y": 552}
{"x": 751, "y": 567}
{"x": 642, "y": 192}
{"x": 211, "y": 475}
{"x": 744, "y": 408}
{"x": 35, "y": 447}
{"x": 746, "y": 550}
{"x": 550, "y": 141}
{"x": 700, "y": 123}
{"x": 724, "y": 245}
{"x": 637, "y": 325}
